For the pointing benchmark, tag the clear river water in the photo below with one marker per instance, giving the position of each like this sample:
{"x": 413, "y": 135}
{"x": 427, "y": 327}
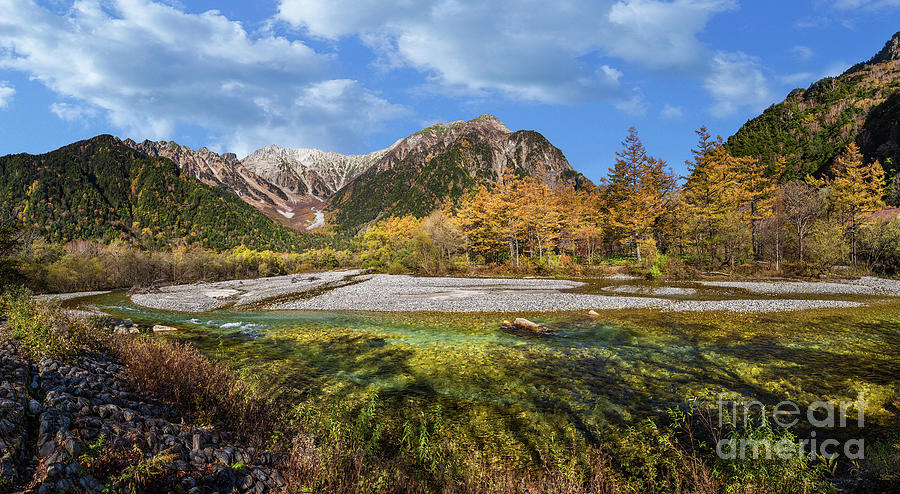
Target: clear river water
{"x": 507, "y": 394}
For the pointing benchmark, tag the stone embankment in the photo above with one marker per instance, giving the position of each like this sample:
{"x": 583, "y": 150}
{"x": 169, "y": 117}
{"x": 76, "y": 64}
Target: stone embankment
{"x": 80, "y": 426}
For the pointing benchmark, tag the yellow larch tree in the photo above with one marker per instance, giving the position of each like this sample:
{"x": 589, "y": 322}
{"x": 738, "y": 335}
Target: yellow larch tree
{"x": 710, "y": 192}
{"x": 758, "y": 187}
{"x": 856, "y": 191}
{"x": 636, "y": 191}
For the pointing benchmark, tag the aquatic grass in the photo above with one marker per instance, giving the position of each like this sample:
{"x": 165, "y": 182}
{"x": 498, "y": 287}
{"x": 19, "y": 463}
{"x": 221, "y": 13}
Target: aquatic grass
{"x": 491, "y": 407}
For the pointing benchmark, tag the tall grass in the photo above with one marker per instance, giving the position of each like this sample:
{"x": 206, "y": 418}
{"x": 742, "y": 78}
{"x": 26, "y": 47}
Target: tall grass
{"x": 44, "y": 329}
{"x": 182, "y": 375}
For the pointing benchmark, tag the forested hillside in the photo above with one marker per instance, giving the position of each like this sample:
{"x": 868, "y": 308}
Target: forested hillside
{"x": 103, "y": 189}
{"x": 812, "y": 126}
{"x": 439, "y": 164}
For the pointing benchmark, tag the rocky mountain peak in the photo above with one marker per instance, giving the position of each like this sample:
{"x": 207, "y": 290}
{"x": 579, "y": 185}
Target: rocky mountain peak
{"x": 889, "y": 53}
{"x": 891, "y": 50}
{"x": 414, "y": 175}
{"x": 490, "y": 121}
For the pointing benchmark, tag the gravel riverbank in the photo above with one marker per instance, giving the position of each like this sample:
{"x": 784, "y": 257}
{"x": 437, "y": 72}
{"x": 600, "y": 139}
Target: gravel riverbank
{"x": 60, "y": 297}
{"x": 407, "y": 293}
{"x": 352, "y": 290}
{"x": 866, "y": 285}
{"x": 202, "y": 297}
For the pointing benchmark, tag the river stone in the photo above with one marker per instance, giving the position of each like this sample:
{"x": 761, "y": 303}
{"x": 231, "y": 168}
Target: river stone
{"x": 522, "y": 325}
{"x": 47, "y": 449}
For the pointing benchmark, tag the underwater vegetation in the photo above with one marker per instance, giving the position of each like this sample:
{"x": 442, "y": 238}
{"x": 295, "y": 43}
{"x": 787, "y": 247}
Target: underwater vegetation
{"x": 597, "y": 380}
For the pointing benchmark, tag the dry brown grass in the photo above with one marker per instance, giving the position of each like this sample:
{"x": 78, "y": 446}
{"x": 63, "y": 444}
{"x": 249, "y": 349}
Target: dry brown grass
{"x": 180, "y": 374}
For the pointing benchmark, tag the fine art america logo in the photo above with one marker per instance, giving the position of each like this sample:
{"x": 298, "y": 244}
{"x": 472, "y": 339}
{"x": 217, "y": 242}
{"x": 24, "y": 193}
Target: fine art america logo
{"x": 787, "y": 414}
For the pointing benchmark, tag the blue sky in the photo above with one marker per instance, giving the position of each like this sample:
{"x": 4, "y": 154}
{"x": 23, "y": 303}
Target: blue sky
{"x": 354, "y": 75}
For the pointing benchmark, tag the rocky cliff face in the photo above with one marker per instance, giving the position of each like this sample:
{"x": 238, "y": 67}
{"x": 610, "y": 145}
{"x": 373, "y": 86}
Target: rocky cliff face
{"x": 415, "y": 175}
{"x": 293, "y": 207}
{"x": 442, "y": 162}
{"x": 308, "y": 171}
{"x": 225, "y": 171}
{"x": 890, "y": 52}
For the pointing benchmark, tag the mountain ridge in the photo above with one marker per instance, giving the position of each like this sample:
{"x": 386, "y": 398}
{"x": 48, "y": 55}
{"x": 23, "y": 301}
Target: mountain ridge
{"x": 295, "y": 186}
{"x": 440, "y": 163}
{"x": 813, "y": 125}
{"x": 102, "y": 188}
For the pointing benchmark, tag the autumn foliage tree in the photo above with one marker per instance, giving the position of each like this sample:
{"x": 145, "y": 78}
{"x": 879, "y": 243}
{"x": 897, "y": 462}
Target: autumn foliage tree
{"x": 758, "y": 185}
{"x": 637, "y": 191}
{"x": 856, "y": 190}
{"x": 710, "y": 194}
{"x": 729, "y": 208}
{"x": 801, "y": 206}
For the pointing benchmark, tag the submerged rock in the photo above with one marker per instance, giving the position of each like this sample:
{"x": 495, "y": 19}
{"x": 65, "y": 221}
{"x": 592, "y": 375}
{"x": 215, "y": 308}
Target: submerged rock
{"x": 523, "y": 326}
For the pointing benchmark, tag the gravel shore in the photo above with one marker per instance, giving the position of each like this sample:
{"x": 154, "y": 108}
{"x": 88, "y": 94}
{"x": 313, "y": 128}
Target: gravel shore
{"x": 59, "y": 297}
{"x": 407, "y": 293}
{"x": 353, "y": 290}
{"x": 202, "y": 297}
{"x": 52, "y": 411}
{"x": 866, "y": 285}
{"x": 383, "y": 292}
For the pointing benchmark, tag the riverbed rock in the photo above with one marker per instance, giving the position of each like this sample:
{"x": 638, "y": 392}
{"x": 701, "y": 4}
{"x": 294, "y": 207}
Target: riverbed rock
{"x": 523, "y": 326}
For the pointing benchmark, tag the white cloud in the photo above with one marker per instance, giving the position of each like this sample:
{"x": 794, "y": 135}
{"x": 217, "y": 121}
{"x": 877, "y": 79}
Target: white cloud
{"x": 865, "y": 4}
{"x": 802, "y": 52}
{"x": 152, "y": 67}
{"x": 6, "y": 94}
{"x": 634, "y": 106}
{"x": 672, "y": 112}
{"x": 661, "y": 34}
{"x": 531, "y": 50}
{"x": 797, "y": 78}
{"x": 737, "y": 81}
{"x": 71, "y": 112}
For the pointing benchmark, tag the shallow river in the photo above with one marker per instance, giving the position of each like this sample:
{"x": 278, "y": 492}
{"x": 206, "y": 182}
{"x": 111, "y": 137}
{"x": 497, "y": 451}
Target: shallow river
{"x": 508, "y": 393}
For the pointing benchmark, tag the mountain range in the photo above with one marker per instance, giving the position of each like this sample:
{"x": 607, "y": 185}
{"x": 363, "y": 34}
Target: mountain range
{"x": 157, "y": 191}
{"x": 297, "y": 187}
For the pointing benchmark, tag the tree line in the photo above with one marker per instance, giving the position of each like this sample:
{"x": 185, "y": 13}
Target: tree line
{"x": 729, "y": 212}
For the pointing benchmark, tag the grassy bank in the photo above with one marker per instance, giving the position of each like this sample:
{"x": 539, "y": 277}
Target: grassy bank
{"x": 358, "y": 449}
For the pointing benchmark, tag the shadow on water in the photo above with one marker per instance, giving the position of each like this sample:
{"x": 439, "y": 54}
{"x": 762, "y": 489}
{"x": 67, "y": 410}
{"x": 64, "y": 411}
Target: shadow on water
{"x": 510, "y": 394}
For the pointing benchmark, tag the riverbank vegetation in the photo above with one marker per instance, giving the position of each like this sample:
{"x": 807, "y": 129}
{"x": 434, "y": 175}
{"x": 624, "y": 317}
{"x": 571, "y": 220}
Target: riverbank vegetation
{"x": 361, "y": 448}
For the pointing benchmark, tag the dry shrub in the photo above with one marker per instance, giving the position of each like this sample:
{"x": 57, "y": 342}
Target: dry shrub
{"x": 184, "y": 376}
